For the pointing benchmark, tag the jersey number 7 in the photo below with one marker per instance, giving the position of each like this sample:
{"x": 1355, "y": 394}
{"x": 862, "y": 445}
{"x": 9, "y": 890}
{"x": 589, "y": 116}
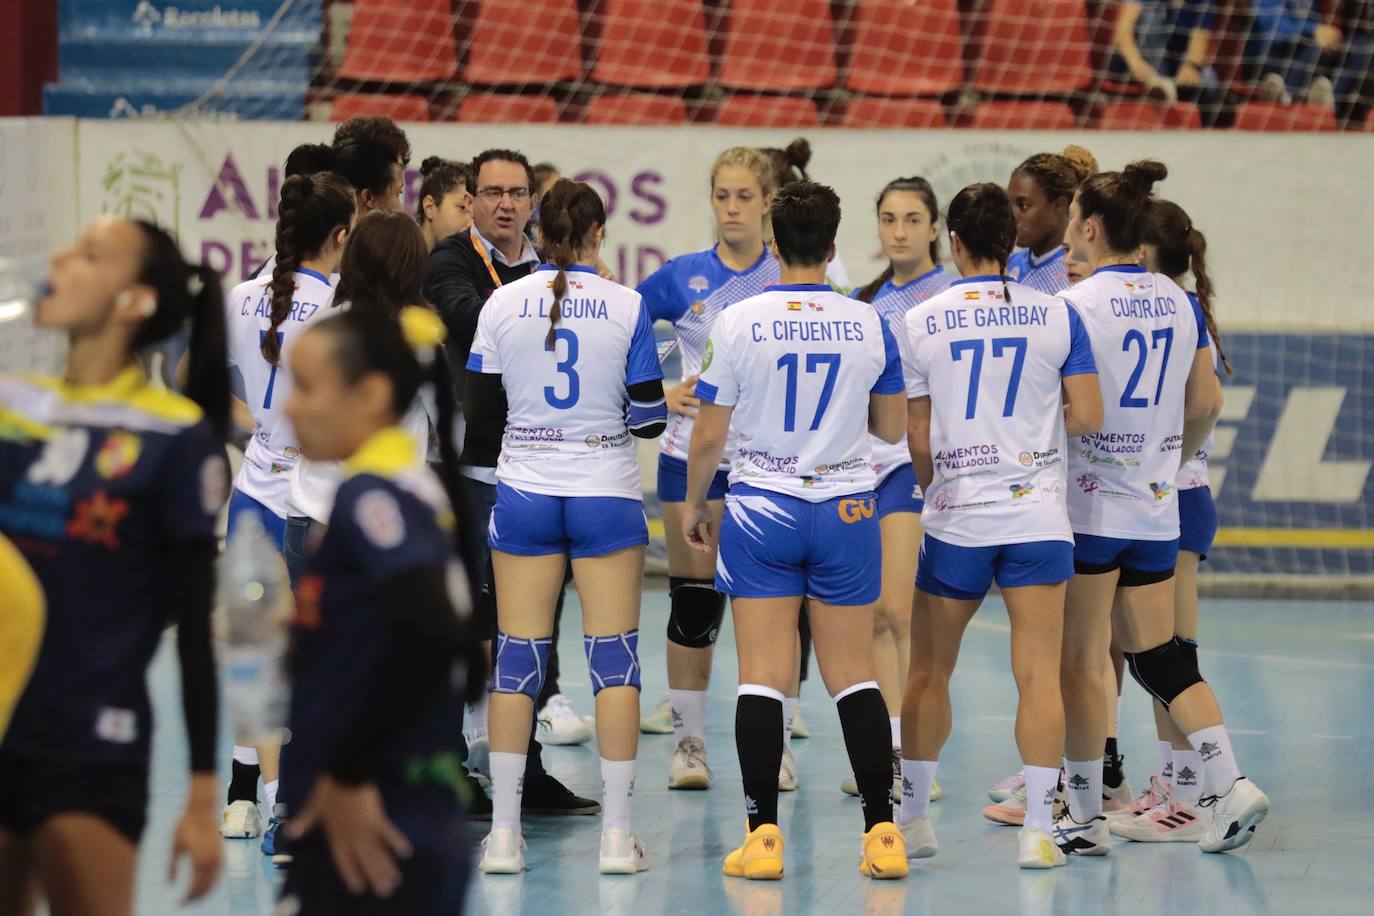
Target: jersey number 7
{"x": 957, "y": 349}
{"x": 271, "y": 376}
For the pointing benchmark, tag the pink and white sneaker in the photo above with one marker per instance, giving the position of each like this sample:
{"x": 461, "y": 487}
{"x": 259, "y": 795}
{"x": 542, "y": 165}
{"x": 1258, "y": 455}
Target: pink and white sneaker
{"x": 1171, "y": 821}
{"x": 1012, "y": 812}
{"x": 1115, "y": 801}
{"x": 1153, "y": 795}
{"x": 1001, "y": 791}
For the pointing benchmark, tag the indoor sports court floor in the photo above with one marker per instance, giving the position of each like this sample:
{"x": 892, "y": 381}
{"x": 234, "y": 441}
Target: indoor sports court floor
{"x": 1296, "y": 680}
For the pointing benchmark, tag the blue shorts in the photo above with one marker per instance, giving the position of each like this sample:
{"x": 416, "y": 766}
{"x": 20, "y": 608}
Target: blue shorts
{"x": 274, "y": 524}
{"x": 966, "y": 573}
{"x": 672, "y": 481}
{"x": 1197, "y": 520}
{"x": 536, "y": 525}
{"x": 898, "y": 492}
{"x": 1140, "y": 562}
{"x": 777, "y": 546}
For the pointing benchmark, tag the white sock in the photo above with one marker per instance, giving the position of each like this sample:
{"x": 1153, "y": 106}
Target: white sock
{"x": 248, "y": 756}
{"x": 689, "y": 714}
{"x": 507, "y": 786}
{"x": 895, "y": 723}
{"x": 1040, "y": 785}
{"x": 477, "y": 715}
{"x": 617, "y": 793}
{"x": 917, "y": 778}
{"x": 789, "y": 712}
{"x": 1083, "y": 784}
{"x": 1187, "y": 776}
{"x": 1218, "y": 760}
{"x": 269, "y": 791}
{"x": 1166, "y": 762}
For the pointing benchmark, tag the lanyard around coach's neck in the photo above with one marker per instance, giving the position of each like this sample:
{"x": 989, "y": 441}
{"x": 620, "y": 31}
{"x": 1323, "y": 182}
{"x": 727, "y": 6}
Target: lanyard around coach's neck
{"x": 484, "y": 255}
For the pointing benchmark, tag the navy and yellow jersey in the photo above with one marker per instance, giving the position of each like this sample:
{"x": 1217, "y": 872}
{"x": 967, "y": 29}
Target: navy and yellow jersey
{"x": 21, "y": 627}
{"x": 390, "y": 517}
{"x": 97, "y": 482}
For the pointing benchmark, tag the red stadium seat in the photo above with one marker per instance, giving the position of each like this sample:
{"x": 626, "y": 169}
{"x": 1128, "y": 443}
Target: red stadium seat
{"x": 1023, "y": 116}
{"x": 534, "y": 41}
{"x": 395, "y": 107}
{"x": 1144, "y": 116}
{"x": 641, "y": 108}
{"x": 654, "y": 44}
{"x": 771, "y": 45}
{"x": 498, "y": 108}
{"x": 1272, "y": 117}
{"x": 767, "y": 111}
{"x": 879, "y": 112}
{"x": 1034, "y": 48}
{"x": 906, "y": 48}
{"x": 407, "y": 41}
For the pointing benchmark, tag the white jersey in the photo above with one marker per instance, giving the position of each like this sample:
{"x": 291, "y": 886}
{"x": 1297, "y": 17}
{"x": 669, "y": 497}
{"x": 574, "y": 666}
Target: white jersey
{"x": 993, "y": 370}
{"x": 798, "y": 364}
{"x": 893, "y": 303}
{"x": 272, "y": 451}
{"x": 1145, "y": 334}
{"x": 1193, "y": 474}
{"x": 566, "y": 429}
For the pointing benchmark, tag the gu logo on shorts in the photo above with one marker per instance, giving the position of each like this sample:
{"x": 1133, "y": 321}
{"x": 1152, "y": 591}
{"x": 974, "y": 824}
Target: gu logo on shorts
{"x": 854, "y": 510}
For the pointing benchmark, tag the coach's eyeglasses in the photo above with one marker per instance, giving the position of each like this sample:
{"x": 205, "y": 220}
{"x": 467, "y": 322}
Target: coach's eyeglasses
{"x": 493, "y": 195}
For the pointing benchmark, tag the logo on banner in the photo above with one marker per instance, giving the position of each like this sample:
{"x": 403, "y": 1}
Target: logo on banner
{"x": 137, "y": 184}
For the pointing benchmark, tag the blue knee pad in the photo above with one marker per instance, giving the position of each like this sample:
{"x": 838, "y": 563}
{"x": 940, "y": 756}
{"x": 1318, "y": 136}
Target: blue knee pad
{"x": 521, "y": 665}
{"x": 613, "y": 660}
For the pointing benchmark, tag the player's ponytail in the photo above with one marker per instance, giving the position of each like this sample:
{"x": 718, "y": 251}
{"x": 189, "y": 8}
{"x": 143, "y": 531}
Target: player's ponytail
{"x": 569, "y": 214}
{"x": 312, "y": 209}
{"x": 922, "y": 188}
{"x": 1181, "y": 248}
{"x": 187, "y": 294}
{"x": 1121, "y": 200}
{"x": 980, "y": 216}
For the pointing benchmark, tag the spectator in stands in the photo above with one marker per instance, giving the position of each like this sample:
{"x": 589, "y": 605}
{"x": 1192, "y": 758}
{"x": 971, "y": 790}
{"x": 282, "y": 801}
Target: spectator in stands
{"x": 1294, "y": 49}
{"x": 464, "y": 270}
{"x": 445, "y": 206}
{"x": 1164, "y": 47}
{"x": 1354, "y": 81}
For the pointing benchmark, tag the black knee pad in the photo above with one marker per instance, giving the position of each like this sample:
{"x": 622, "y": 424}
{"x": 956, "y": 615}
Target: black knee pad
{"x": 1189, "y": 647}
{"x": 696, "y": 613}
{"x": 1164, "y": 671}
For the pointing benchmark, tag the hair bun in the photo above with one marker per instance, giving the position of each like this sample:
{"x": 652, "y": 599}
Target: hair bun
{"x": 1142, "y": 175}
{"x": 1083, "y": 162}
{"x": 430, "y": 164}
{"x": 798, "y": 152}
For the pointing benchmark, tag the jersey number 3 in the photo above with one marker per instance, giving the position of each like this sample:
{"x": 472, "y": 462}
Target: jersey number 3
{"x": 271, "y": 376}
{"x": 565, "y": 367}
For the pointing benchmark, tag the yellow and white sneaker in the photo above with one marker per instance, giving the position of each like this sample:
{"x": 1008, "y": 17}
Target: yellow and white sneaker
{"x": 760, "y": 858}
{"x": 1036, "y": 849}
{"x": 241, "y": 820}
{"x": 884, "y": 853}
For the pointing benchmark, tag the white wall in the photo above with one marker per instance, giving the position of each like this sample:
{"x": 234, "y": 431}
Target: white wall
{"x": 1287, "y": 216}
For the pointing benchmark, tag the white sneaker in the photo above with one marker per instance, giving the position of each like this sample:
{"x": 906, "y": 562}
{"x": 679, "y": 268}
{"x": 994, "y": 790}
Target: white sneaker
{"x": 479, "y": 751}
{"x": 660, "y": 721}
{"x": 503, "y": 852}
{"x": 787, "y": 773}
{"x": 688, "y": 769}
{"x": 1235, "y": 816}
{"x": 559, "y": 723}
{"x": 799, "y": 727}
{"x": 241, "y": 820}
{"x": 1035, "y": 849}
{"x": 621, "y": 853}
{"x": 1171, "y": 821}
{"x": 919, "y": 837}
{"x": 1118, "y": 800}
{"x": 1090, "y": 839}
{"x": 1001, "y": 791}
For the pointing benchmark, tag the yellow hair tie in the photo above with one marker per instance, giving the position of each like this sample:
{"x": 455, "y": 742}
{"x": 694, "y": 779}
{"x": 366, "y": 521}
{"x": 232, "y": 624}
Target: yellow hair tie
{"x": 422, "y": 328}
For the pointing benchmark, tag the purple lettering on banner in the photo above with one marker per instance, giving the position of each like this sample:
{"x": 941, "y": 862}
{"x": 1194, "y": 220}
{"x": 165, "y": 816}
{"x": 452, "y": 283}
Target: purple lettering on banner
{"x": 217, "y": 256}
{"x": 608, "y": 192}
{"x": 273, "y": 191}
{"x": 654, "y": 254}
{"x": 644, "y": 186}
{"x": 231, "y": 181}
{"x": 252, "y": 255}
{"x": 412, "y": 189}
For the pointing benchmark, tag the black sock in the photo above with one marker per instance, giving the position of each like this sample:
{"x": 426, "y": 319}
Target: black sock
{"x": 868, "y": 739}
{"x": 243, "y": 782}
{"x": 1112, "y": 774}
{"x": 758, "y": 741}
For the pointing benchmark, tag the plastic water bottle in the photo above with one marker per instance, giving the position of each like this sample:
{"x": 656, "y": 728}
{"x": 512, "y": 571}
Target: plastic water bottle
{"x": 255, "y": 600}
